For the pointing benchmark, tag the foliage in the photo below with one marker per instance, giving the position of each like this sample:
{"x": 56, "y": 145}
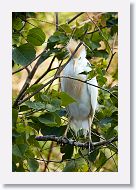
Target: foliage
{"x": 44, "y": 113}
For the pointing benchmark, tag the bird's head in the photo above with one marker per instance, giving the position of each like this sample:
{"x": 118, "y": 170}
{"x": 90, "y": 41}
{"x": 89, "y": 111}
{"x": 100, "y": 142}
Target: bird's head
{"x": 80, "y": 53}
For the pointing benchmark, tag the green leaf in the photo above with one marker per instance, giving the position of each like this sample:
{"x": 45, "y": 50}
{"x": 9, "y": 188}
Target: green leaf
{"x": 29, "y": 153}
{"x": 54, "y": 39}
{"x": 62, "y": 55}
{"x": 50, "y": 119}
{"x": 32, "y": 141}
{"x": 68, "y": 150}
{"x": 14, "y": 117}
{"x": 14, "y": 167}
{"x": 16, "y": 151}
{"x": 57, "y": 38}
{"x": 50, "y": 108}
{"x": 56, "y": 102}
{"x": 105, "y": 121}
{"x": 33, "y": 165}
{"x": 91, "y": 74}
{"x": 36, "y": 36}
{"x": 92, "y": 156}
{"x": 44, "y": 56}
{"x": 22, "y": 148}
{"x": 23, "y": 54}
{"x": 34, "y": 87}
{"x": 17, "y": 23}
{"x": 101, "y": 161}
{"x": 15, "y": 38}
{"x": 54, "y": 105}
{"x": 23, "y": 108}
{"x": 70, "y": 167}
{"x": 96, "y": 37}
{"x": 35, "y": 105}
{"x": 77, "y": 165}
{"x": 79, "y": 32}
{"x": 101, "y": 80}
{"x": 111, "y": 132}
{"x": 20, "y": 168}
{"x": 101, "y": 53}
{"x": 65, "y": 28}
{"x": 19, "y": 150}
{"x": 57, "y": 131}
{"x": 20, "y": 139}
{"x": 66, "y": 99}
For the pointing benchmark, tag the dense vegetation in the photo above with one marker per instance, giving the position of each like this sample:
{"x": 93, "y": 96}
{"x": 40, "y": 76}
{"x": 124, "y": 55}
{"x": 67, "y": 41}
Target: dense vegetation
{"x": 39, "y": 51}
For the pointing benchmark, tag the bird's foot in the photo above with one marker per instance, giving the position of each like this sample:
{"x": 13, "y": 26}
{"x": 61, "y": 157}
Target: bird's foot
{"x": 63, "y": 140}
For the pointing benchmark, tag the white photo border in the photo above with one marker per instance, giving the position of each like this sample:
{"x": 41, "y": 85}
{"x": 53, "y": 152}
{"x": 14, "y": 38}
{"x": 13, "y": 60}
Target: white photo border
{"x": 123, "y": 174}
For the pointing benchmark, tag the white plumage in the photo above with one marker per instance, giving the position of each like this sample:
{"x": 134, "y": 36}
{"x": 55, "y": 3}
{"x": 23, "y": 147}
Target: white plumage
{"x": 82, "y": 112}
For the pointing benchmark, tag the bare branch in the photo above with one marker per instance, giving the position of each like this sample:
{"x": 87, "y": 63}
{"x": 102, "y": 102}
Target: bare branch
{"x": 64, "y": 140}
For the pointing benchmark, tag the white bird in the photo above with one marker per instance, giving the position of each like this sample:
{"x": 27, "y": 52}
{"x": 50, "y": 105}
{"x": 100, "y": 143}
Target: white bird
{"x": 82, "y": 111}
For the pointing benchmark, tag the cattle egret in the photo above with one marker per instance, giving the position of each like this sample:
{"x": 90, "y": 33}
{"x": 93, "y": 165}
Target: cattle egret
{"x": 82, "y": 111}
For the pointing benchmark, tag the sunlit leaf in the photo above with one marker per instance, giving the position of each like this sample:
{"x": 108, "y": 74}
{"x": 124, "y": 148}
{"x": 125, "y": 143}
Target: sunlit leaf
{"x": 36, "y": 36}
{"x": 33, "y": 165}
{"x": 66, "y": 99}
{"x": 17, "y": 23}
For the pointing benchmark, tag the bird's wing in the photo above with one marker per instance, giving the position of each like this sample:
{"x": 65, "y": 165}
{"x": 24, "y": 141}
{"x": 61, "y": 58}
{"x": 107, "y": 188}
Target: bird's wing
{"x": 93, "y": 92}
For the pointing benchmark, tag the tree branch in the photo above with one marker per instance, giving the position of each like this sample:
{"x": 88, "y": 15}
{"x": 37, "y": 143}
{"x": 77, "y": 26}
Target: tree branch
{"x": 64, "y": 140}
{"x": 27, "y": 82}
{"x": 45, "y": 73}
{"x": 57, "y": 20}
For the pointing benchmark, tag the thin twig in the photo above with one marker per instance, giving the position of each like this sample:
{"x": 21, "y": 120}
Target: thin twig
{"x": 104, "y": 139}
{"x": 88, "y": 84}
{"x": 75, "y": 17}
{"x": 112, "y": 52}
{"x": 110, "y": 61}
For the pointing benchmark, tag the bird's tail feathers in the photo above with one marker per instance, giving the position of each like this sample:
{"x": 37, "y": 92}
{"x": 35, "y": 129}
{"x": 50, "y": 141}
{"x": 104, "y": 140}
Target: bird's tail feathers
{"x": 84, "y": 125}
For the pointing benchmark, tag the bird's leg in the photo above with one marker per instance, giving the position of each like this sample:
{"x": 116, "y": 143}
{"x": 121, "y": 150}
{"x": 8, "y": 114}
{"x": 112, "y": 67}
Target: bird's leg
{"x": 90, "y": 141}
{"x": 64, "y": 136}
{"x": 66, "y": 131}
